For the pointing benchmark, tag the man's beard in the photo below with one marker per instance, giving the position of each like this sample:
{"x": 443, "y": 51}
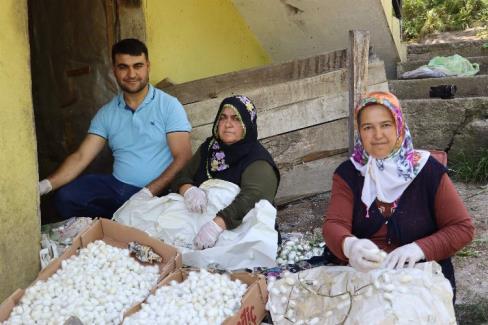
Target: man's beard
{"x": 131, "y": 91}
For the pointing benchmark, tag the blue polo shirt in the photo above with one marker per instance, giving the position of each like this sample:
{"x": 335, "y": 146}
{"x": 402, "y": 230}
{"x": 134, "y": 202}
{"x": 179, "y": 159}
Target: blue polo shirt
{"x": 138, "y": 138}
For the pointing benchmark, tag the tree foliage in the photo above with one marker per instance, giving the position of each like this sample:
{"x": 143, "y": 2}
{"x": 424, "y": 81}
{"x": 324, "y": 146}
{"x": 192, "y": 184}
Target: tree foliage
{"x": 422, "y": 17}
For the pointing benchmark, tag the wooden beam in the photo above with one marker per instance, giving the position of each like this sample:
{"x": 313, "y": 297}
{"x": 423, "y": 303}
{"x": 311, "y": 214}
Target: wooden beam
{"x": 237, "y": 82}
{"x": 308, "y": 144}
{"x": 291, "y": 117}
{"x": 307, "y": 179}
{"x": 276, "y": 95}
{"x": 358, "y": 74}
{"x": 110, "y": 21}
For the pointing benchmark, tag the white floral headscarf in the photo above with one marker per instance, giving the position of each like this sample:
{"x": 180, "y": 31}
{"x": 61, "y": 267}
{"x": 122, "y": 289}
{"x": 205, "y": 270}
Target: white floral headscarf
{"x": 387, "y": 178}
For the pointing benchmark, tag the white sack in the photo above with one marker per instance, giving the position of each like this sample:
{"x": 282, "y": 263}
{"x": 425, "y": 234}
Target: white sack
{"x": 253, "y": 243}
{"x": 407, "y": 296}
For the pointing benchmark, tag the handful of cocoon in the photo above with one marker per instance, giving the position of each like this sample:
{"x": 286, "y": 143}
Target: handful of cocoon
{"x": 98, "y": 285}
{"x": 203, "y": 298}
{"x": 296, "y": 249}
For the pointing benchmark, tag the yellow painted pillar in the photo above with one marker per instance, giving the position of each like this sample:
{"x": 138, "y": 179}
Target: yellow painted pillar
{"x": 19, "y": 201}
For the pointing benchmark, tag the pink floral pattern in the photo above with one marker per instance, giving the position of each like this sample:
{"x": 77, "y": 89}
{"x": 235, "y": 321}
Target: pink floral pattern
{"x": 217, "y": 163}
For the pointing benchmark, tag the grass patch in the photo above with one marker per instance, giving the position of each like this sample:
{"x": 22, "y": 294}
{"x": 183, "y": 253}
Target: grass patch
{"x": 472, "y": 168}
{"x": 471, "y": 314}
{"x": 468, "y": 252}
{"x": 423, "y": 17}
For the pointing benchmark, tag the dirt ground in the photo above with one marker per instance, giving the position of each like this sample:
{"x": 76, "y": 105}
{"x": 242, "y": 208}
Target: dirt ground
{"x": 471, "y": 263}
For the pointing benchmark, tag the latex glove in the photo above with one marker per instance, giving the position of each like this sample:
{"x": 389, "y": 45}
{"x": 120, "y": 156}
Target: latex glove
{"x": 363, "y": 254}
{"x": 143, "y": 194}
{"x": 45, "y": 186}
{"x": 195, "y": 200}
{"x": 207, "y": 235}
{"x": 410, "y": 253}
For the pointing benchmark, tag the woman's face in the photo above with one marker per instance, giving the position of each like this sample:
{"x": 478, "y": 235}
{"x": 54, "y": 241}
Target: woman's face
{"x": 377, "y": 131}
{"x": 230, "y": 128}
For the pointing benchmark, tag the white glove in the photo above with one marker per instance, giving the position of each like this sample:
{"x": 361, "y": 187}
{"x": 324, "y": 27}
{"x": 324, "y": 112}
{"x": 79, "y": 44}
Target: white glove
{"x": 207, "y": 235}
{"x": 45, "y": 186}
{"x": 410, "y": 253}
{"x": 363, "y": 254}
{"x": 143, "y": 194}
{"x": 195, "y": 200}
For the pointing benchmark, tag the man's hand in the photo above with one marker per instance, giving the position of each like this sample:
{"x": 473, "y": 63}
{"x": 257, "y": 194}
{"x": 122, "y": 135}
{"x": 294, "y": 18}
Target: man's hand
{"x": 363, "y": 254}
{"x": 410, "y": 253}
{"x": 144, "y": 194}
{"x": 45, "y": 187}
{"x": 195, "y": 200}
{"x": 208, "y": 235}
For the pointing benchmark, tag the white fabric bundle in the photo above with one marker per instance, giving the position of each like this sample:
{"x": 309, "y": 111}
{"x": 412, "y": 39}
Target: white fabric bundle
{"x": 254, "y": 243}
{"x": 341, "y": 295}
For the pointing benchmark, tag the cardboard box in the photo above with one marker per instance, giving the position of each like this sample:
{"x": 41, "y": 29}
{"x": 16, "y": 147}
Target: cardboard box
{"x": 253, "y": 302}
{"x": 112, "y": 233}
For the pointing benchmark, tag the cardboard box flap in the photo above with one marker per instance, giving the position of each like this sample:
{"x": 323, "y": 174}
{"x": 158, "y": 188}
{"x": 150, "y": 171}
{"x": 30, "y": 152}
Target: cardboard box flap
{"x": 9, "y": 304}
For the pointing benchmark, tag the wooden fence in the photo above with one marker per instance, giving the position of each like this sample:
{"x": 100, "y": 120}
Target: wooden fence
{"x": 303, "y": 109}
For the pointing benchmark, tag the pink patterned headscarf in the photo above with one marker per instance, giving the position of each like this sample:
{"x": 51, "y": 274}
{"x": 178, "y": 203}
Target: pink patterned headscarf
{"x": 387, "y": 178}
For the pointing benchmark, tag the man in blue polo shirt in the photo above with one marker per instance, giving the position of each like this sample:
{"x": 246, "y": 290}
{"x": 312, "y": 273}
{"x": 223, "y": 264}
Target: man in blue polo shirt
{"x": 147, "y": 131}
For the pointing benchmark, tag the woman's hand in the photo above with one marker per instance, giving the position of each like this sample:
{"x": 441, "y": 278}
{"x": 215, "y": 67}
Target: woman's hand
{"x": 195, "y": 199}
{"x": 363, "y": 254}
{"x": 410, "y": 253}
{"x": 207, "y": 235}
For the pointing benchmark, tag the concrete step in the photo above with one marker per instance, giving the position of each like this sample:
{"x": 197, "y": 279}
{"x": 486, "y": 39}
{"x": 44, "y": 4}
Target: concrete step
{"x": 476, "y": 86}
{"x": 427, "y": 52}
{"x": 453, "y": 125}
{"x": 412, "y": 65}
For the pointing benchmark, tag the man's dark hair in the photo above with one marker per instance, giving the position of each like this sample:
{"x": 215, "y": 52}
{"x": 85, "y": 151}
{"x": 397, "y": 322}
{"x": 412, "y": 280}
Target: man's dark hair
{"x": 129, "y": 46}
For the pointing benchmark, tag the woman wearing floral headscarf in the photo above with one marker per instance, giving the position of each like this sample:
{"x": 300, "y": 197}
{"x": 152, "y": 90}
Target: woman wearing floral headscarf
{"x": 390, "y": 196}
{"x": 233, "y": 153}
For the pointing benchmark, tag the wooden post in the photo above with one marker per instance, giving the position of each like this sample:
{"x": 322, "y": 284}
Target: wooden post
{"x": 358, "y": 74}
{"x": 110, "y": 17}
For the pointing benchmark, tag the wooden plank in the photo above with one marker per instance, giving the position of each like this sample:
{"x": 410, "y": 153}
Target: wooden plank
{"x": 240, "y": 81}
{"x": 277, "y": 95}
{"x": 307, "y": 179}
{"x": 308, "y": 144}
{"x": 292, "y": 117}
{"x": 110, "y": 21}
{"x": 379, "y": 87}
{"x": 358, "y": 74}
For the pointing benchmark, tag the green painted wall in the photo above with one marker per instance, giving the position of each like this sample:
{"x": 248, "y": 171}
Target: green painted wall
{"x": 193, "y": 39}
{"x": 19, "y": 201}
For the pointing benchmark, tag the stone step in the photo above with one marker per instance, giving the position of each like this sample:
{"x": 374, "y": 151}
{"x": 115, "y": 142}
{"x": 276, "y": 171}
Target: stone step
{"x": 428, "y": 51}
{"x": 412, "y": 65}
{"x": 454, "y": 125}
{"x": 475, "y": 86}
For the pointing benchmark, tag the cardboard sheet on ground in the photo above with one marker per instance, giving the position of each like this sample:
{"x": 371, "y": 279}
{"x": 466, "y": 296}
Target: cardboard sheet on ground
{"x": 342, "y": 295}
{"x": 253, "y": 243}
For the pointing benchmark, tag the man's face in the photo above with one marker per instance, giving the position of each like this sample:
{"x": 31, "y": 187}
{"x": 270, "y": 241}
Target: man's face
{"x": 131, "y": 72}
